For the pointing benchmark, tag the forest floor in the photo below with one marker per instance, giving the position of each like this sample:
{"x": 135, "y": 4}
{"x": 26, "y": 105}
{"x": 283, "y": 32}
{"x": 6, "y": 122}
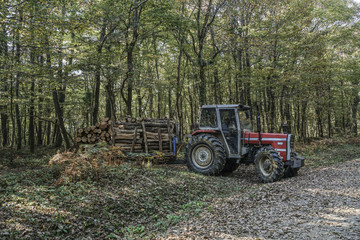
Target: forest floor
{"x": 321, "y": 203}
{"x": 132, "y": 202}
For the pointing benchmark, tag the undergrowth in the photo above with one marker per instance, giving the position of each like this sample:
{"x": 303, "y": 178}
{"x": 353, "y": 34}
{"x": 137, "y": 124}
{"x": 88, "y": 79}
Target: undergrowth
{"x": 126, "y": 200}
{"x": 327, "y": 151}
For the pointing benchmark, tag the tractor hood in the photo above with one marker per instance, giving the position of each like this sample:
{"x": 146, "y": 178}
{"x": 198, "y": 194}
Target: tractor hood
{"x": 279, "y": 141}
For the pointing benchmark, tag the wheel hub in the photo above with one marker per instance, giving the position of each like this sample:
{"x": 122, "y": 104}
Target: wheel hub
{"x": 202, "y": 156}
{"x": 266, "y": 166}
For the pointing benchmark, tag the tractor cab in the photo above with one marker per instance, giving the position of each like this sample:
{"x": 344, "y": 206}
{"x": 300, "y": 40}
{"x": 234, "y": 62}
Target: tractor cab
{"x": 230, "y": 122}
{"x": 225, "y": 139}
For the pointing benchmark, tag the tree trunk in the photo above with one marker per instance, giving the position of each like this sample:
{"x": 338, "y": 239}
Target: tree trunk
{"x": 97, "y": 81}
{"x": 32, "y": 99}
{"x": 4, "y": 129}
{"x": 110, "y": 100}
{"x": 17, "y": 85}
{"x": 4, "y": 109}
{"x": 40, "y": 122}
{"x": 59, "y": 114}
{"x": 354, "y": 108}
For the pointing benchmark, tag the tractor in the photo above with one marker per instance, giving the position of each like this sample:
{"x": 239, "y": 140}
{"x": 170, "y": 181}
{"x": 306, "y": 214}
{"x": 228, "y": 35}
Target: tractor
{"x": 224, "y": 139}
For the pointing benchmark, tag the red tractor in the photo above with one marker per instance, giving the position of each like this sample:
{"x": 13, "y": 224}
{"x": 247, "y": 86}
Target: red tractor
{"x": 224, "y": 141}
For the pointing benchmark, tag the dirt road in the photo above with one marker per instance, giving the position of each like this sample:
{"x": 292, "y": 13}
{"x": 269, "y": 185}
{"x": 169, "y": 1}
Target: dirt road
{"x": 322, "y": 203}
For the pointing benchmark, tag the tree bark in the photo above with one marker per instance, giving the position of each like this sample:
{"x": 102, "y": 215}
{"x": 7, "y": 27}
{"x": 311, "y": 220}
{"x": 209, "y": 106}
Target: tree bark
{"x": 17, "y": 84}
{"x": 98, "y": 75}
{"x": 4, "y": 109}
{"x": 354, "y": 107}
{"x": 59, "y": 114}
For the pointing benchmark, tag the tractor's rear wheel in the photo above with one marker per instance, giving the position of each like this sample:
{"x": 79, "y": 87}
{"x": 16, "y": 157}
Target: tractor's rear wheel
{"x": 230, "y": 166}
{"x": 269, "y": 165}
{"x": 205, "y": 154}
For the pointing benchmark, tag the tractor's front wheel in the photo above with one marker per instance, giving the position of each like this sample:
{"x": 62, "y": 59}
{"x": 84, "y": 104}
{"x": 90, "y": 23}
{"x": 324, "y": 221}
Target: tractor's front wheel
{"x": 205, "y": 154}
{"x": 269, "y": 165}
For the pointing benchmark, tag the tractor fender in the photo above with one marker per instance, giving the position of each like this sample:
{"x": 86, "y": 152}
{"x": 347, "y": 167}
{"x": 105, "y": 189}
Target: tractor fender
{"x": 197, "y": 132}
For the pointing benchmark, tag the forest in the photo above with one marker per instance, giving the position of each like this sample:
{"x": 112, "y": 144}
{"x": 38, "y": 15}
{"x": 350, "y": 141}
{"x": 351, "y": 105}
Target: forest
{"x": 66, "y": 64}
{"x": 93, "y": 94}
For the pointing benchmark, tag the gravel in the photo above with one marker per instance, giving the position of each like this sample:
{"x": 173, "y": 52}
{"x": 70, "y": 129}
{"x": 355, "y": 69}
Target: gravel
{"x": 321, "y": 203}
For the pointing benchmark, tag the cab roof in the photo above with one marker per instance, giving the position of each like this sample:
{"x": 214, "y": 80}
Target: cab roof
{"x": 240, "y": 107}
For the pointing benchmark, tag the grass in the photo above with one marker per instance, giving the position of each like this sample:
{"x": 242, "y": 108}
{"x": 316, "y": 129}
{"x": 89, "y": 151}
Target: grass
{"x": 324, "y": 152}
{"x": 127, "y": 201}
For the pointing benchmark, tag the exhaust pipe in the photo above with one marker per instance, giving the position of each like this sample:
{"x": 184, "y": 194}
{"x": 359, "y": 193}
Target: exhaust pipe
{"x": 258, "y": 124}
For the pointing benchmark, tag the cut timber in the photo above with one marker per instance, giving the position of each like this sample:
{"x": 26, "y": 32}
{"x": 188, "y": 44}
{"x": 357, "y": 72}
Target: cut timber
{"x": 147, "y": 124}
{"x": 134, "y": 140}
{"x": 145, "y": 137}
{"x": 138, "y": 135}
{"x": 168, "y": 128}
{"x": 103, "y": 125}
{"x": 125, "y": 136}
{"x": 160, "y": 140}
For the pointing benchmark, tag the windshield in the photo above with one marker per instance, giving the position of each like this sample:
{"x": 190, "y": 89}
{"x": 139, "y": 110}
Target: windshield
{"x": 245, "y": 121}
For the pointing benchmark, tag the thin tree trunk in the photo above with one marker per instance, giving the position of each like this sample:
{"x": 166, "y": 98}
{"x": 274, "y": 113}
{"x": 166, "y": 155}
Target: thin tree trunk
{"x": 4, "y": 114}
{"x": 354, "y": 108}
{"x": 31, "y": 118}
{"x": 59, "y": 114}
{"x": 32, "y": 99}
{"x": 17, "y": 85}
{"x": 98, "y": 78}
{"x": 40, "y": 122}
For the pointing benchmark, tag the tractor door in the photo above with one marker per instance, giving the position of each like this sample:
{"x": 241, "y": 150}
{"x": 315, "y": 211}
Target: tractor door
{"x": 230, "y": 130}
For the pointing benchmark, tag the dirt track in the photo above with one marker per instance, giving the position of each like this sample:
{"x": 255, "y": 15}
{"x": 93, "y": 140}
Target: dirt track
{"x": 321, "y": 203}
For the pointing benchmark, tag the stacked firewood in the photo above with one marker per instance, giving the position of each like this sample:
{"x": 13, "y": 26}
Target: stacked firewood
{"x": 132, "y": 135}
{"x": 145, "y": 135}
{"x": 102, "y": 131}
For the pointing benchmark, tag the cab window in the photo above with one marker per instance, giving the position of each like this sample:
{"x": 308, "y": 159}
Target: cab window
{"x": 208, "y": 118}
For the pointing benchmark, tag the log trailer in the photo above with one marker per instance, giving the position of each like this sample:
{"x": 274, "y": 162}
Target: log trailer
{"x": 225, "y": 139}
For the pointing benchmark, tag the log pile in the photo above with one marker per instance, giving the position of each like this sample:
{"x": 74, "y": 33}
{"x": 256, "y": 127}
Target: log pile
{"x": 132, "y": 135}
{"x": 102, "y": 131}
{"x": 145, "y": 135}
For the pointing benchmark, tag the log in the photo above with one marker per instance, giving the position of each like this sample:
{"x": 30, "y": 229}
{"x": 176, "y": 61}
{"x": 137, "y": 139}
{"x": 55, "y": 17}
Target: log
{"x": 148, "y": 129}
{"x": 160, "y": 139}
{"x": 103, "y": 125}
{"x": 134, "y": 140}
{"x": 127, "y": 141}
{"x": 125, "y": 136}
{"x": 145, "y": 137}
{"x": 147, "y": 124}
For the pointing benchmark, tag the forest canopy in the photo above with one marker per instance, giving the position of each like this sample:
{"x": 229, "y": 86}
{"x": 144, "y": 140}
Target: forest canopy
{"x": 65, "y": 64}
